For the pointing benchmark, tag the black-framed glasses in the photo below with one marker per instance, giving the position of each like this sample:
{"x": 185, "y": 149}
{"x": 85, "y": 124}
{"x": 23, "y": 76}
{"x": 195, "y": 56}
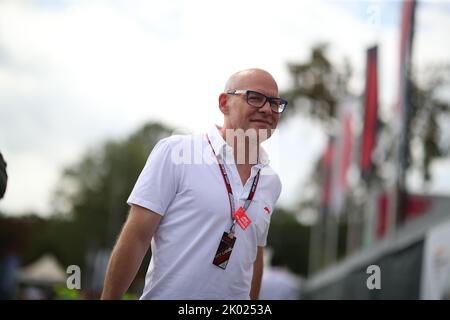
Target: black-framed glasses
{"x": 257, "y": 99}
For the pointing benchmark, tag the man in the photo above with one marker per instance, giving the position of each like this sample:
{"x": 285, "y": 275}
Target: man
{"x": 207, "y": 221}
{"x": 3, "y": 176}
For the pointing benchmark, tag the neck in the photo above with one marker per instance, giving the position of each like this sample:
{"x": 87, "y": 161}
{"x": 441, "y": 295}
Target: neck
{"x": 245, "y": 149}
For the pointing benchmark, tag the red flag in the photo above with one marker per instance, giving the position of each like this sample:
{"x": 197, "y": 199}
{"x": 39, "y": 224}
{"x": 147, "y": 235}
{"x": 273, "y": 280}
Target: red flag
{"x": 370, "y": 112}
{"x": 382, "y": 221}
{"x": 417, "y": 205}
{"x": 342, "y": 158}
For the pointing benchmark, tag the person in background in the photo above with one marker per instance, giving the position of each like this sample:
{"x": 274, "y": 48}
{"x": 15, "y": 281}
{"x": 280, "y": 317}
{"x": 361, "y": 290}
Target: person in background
{"x": 278, "y": 282}
{"x": 3, "y": 176}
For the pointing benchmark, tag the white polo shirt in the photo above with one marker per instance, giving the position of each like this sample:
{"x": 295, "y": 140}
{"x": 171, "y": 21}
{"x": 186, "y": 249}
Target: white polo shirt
{"x": 182, "y": 182}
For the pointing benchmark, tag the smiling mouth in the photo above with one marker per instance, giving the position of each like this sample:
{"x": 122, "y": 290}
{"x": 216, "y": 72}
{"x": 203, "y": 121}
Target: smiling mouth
{"x": 261, "y": 121}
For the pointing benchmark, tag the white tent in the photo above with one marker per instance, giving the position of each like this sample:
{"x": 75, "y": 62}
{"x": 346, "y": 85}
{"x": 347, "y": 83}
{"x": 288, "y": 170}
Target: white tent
{"x": 46, "y": 270}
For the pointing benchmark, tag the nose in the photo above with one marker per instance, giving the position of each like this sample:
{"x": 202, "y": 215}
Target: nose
{"x": 266, "y": 108}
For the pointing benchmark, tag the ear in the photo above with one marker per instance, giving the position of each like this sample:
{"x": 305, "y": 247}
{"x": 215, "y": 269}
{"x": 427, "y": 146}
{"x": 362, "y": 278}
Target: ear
{"x": 223, "y": 105}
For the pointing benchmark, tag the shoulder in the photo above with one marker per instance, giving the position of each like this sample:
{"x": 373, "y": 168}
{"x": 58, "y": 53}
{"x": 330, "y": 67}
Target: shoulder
{"x": 271, "y": 176}
{"x": 177, "y": 139}
{"x": 178, "y": 149}
{"x": 173, "y": 143}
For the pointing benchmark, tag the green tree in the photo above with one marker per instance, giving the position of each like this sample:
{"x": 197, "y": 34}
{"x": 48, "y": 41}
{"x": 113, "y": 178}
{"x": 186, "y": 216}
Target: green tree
{"x": 289, "y": 240}
{"x": 318, "y": 85}
{"x": 428, "y": 107}
{"x": 90, "y": 201}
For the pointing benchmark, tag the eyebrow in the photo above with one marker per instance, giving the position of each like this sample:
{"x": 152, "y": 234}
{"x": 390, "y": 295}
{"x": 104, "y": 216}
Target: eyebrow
{"x": 268, "y": 96}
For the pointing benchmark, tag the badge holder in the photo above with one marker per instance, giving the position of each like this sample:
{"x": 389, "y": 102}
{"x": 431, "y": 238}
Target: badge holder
{"x": 224, "y": 251}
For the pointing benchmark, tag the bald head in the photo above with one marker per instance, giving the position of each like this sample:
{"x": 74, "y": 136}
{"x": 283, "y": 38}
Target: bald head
{"x": 249, "y": 78}
{"x": 240, "y": 113}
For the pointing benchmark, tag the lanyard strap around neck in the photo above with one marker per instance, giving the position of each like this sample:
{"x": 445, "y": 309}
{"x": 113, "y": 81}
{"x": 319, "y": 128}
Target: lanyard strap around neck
{"x": 226, "y": 180}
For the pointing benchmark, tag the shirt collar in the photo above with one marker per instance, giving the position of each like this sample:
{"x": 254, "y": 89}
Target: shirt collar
{"x": 225, "y": 151}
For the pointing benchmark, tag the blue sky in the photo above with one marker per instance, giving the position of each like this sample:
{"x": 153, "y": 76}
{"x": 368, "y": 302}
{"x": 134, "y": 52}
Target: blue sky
{"x": 386, "y": 12}
{"x": 75, "y": 73}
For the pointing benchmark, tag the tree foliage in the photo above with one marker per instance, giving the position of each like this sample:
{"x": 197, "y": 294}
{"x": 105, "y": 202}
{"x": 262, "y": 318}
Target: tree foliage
{"x": 428, "y": 109}
{"x": 90, "y": 200}
{"x": 317, "y": 86}
{"x": 290, "y": 241}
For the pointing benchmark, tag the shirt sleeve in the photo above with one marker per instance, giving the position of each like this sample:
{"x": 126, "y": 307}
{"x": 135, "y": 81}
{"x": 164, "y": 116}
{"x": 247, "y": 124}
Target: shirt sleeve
{"x": 157, "y": 184}
{"x": 269, "y": 205}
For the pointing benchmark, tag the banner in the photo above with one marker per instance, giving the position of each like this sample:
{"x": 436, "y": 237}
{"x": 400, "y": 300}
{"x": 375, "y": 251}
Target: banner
{"x": 342, "y": 157}
{"x": 370, "y": 113}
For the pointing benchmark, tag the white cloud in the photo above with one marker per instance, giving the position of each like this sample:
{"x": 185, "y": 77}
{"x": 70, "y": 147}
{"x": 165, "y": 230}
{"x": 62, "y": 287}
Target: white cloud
{"x": 430, "y": 42}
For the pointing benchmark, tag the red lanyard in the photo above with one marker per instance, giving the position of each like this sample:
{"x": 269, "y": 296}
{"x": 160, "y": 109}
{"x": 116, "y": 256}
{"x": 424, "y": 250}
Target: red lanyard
{"x": 230, "y": 190}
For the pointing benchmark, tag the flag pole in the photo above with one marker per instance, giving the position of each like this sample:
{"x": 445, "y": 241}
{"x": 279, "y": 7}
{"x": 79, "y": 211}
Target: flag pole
{"x": 403, "y": 109}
